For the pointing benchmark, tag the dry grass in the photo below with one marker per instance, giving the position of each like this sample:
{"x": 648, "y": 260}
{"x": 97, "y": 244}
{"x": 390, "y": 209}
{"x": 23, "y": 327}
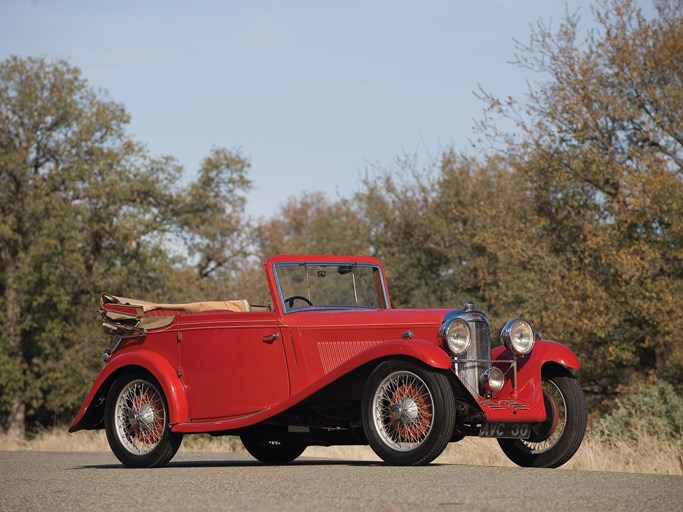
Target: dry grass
{"x": 647, "y": 454}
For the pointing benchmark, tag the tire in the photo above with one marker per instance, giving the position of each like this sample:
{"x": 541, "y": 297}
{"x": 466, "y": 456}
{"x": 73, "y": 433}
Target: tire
{"x": 408, "y": 413}
{"x": 556, "y": 440}
{"x": 271, "y": 452}
{"x": 136, "y": 423}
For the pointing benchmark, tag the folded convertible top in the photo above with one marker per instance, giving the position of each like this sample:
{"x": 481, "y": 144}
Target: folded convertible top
{"x": 123, "y": 316}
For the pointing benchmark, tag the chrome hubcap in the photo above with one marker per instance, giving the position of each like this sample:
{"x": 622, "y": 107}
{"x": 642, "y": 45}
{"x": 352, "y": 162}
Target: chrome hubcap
{"x": 143, "y": 418}
{"x": 406, "y": 411}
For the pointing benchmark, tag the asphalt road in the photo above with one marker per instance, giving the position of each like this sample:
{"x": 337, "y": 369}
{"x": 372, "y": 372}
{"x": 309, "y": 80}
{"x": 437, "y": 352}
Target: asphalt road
{"x": 199, "y": 481}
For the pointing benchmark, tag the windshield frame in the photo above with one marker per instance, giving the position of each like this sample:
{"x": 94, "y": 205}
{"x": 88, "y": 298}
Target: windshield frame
{"x": 378, "y": 274}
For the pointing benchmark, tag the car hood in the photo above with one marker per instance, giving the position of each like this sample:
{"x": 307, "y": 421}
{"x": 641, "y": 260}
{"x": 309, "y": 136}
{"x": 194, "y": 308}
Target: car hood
{"x": 396, "y": 321}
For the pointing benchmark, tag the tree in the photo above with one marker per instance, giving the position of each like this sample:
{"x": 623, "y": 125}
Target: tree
{"x": 600, "y": 144}
{"x": 84, "y": 208}
{"x": 210, "y": 212}
{"x": 458, "y": 230}
{"x": 395, "y": 205}
{"x": 311, "y": 223}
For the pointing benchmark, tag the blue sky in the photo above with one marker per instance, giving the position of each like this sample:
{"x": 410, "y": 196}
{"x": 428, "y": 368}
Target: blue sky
{"x": 315, "y": 93}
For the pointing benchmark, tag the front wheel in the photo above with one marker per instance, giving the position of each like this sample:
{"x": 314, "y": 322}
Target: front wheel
{"x": 556, "y": 440}
{"x": 270, "y": 451}
{"x": 408, "y": 413}
{"x": 136, "y": 422}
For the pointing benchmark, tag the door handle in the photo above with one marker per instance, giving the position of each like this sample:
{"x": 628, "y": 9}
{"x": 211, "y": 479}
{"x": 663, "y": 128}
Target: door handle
{"x": 270, "y": 338}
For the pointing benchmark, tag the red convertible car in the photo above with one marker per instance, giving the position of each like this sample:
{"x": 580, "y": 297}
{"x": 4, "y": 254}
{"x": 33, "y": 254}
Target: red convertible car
{"x": 328, "y": 361}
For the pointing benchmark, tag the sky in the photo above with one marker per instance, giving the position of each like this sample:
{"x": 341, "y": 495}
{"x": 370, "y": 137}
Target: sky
{"x": 315, "y": 93}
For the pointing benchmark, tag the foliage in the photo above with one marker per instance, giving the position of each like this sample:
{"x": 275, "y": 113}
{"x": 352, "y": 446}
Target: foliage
{"x": 313, "y": 224}
{"x": 600, "y": 147}
{"x": 209, "y": 214}
{"x": 464, "y": 230}
{"x": 656, "y": 410}
{"x": 84, "y": 208}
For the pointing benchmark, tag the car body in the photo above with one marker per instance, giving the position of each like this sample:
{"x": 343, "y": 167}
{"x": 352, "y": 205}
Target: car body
{"x": 329, "y": 361}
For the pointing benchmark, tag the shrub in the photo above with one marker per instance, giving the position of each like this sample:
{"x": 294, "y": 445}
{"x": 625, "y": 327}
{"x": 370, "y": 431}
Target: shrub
{"x": 657, "y": 410}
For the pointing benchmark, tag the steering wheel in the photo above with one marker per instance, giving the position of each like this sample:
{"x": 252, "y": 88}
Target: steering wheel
{"x": 289, "y": 301}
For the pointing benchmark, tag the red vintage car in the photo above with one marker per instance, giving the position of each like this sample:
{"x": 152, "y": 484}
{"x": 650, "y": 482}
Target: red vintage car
{"x": 328, "y": 361}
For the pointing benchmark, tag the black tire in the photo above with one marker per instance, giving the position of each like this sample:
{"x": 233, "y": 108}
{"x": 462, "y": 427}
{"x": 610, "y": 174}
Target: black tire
{"x": 271, "y": 452}
{"x": 556, "y": 440}
{"x": 408, "y": 413}
{"x": 136, "y": 422}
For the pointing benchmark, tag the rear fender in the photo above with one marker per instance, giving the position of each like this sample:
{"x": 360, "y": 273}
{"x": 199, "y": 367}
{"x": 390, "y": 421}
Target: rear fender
{"x": 92, "y": 411}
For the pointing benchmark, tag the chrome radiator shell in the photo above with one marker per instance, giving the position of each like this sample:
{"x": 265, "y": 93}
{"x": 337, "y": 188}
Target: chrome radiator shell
{"x": 469, "y": 366}
{"x": 477, "y": 359}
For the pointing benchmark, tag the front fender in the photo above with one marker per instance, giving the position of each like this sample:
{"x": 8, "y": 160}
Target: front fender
{"x": 92, "y": 410}
{"x": 529, "y": 368}
{"x": 425, "y": 351}
{"x": 545, "y": 351}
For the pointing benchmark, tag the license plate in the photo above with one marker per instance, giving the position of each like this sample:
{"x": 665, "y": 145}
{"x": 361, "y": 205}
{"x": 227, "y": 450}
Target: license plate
{"x": 506, "y": 430}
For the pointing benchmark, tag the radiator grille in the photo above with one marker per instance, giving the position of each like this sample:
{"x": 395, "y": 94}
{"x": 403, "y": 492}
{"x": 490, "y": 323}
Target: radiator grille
{"x": 470, "y": 365}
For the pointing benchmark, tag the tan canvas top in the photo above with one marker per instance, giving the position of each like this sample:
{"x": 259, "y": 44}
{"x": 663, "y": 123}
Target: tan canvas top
{"x": 189, "y": 307}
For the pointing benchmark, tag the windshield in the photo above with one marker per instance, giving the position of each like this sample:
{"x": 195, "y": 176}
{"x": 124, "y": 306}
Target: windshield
{"x": 330, "y": 285}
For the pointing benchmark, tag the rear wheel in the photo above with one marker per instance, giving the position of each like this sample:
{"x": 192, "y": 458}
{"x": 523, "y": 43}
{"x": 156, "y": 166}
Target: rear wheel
{"x": 408, "y": 413}
{"x": 136, "y": 423}
{"x": 556, "y": 440}
{"x": 270, "y": 451}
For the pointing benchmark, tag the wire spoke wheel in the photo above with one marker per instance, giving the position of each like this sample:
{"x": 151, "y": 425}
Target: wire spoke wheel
{"x": 408, "y": 412}
{"x": 140, "y": 417}
{"x": 403, "y": 410}
{"x": 137, "y": 422}
{"x": 555, "y": 440}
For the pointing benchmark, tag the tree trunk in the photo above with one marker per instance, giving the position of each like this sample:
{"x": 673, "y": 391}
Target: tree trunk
{"x": 16, "y": 422}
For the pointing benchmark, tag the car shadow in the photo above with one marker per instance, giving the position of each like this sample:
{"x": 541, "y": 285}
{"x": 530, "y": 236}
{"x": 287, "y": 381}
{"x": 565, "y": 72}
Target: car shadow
{"x": 231, "y": 463}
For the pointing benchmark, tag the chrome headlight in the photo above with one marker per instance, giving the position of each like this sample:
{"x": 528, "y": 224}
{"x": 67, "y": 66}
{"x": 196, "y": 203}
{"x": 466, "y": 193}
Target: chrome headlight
{"x": 456, "y": 335}
{"x": 492, "y": 379}
{"x": 518, "y": 336}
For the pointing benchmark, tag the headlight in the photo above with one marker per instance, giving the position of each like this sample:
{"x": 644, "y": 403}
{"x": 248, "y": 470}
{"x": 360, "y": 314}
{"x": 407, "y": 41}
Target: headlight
{"x": 518, "y": 336}
{"x": 492, "y": 379}
{"x": 456, "y": 334}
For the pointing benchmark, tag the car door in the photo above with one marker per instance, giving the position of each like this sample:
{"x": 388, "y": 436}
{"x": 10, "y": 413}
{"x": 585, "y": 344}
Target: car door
{"x": 233, "y": 367}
